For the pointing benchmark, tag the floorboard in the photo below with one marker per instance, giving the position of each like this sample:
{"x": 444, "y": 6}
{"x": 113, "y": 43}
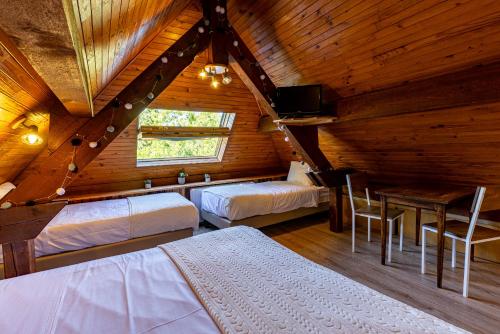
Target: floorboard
{"x": 480, "y": 313}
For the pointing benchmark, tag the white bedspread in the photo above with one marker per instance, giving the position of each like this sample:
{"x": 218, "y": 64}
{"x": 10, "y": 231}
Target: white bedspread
{"x": 251, "y": 284}
{"x": 79, "y": 226}
{"x": 140, "y": 292}
{"x": 241, "y": 201}
{"x": 159, "y": 213}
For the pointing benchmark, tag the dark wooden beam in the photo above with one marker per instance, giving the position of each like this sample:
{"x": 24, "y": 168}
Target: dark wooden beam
{"x": 18, "y": 227}
{"x": 48, "y": 171}
{"x": 474, "y": 86}
{"x": 303, "y": 138}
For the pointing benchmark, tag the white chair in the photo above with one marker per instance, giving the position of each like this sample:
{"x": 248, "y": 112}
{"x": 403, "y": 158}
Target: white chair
{"x": 373, "y": 212}
{"x": 468, "y": 233}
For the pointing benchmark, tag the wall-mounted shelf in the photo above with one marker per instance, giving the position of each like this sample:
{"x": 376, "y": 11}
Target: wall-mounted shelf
{"x": 318, "y": 120}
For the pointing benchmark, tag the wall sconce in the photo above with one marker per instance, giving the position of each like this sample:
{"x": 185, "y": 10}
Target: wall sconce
{"x": 31, "y": 137}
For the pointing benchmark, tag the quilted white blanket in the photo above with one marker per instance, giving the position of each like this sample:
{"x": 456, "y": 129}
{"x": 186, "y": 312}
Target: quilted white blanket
{"x": 250, "y": 284}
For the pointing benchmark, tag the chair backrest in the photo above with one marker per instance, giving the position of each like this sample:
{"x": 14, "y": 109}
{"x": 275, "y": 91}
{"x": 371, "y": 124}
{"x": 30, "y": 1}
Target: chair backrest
{"x": 351, "y": 196}
{"x": 475, "y": 209}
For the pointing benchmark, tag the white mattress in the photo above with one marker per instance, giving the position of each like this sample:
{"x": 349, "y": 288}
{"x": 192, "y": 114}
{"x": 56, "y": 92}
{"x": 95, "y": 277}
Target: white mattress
{"x": 133, "y": 293}
{"x": 84, "y": 225}
{"x": 241, "y": 201}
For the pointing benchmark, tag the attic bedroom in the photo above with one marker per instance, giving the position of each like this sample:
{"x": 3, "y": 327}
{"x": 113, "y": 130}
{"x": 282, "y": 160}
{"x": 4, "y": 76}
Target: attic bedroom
{"x": 223, "y": 166}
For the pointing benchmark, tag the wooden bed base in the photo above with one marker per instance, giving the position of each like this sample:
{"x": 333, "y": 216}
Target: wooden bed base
{"x": 264, "y": 220}
{"x": 98, "y": 252}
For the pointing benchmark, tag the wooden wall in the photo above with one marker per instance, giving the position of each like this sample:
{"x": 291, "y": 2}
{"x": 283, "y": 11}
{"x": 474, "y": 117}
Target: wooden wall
{"x": 248, "y": 152}
{"x": 22, "y": 92}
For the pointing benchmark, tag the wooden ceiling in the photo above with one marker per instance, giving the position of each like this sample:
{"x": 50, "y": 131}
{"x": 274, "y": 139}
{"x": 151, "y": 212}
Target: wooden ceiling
{"x": 354, "y": 46}
{"x": 349, "y": 46}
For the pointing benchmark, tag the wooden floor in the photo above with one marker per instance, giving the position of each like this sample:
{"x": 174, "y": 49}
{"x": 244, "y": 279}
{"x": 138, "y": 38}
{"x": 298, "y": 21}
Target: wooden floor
{"x": 401, "y": 280}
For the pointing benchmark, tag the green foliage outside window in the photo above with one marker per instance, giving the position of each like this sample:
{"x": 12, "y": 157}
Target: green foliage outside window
{"x": 178, "y": 148}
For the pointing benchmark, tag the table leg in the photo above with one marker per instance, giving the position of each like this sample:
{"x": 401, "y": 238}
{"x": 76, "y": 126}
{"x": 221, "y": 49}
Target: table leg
{"x": 383, "y": 228}
{"x": 418, "y": 214}
{"x": 336, "y": 210}
{"x": 441, "y": 222}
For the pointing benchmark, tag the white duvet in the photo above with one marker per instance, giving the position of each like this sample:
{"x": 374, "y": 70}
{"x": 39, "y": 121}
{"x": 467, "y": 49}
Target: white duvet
{"x": 141, "y": 292}
{"x": 79, "y": 226}
{"x": 245, "y": 200}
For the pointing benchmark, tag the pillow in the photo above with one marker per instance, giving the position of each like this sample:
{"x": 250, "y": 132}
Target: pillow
{"x": 297, "y": 173}
{"x": 5, "y": 188}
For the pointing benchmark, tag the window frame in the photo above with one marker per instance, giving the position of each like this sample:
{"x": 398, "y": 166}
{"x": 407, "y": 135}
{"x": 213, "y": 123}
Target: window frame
{"x": 227, "y": 120}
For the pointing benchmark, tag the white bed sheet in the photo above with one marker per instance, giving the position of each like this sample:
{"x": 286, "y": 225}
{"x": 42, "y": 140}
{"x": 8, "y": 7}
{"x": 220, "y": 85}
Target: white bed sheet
{"x": 141, "y": 292}
{"x": 79, "y": 226}
{"x": 159, "y": 213}
{"x": 241, "y": 201}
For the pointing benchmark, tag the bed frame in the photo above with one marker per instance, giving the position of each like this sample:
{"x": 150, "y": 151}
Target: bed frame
{"x": 98, "y": 252}
{"x": 264, "y": 220}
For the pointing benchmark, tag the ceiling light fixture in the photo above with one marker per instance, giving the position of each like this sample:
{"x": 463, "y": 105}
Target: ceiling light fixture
{"x": 31, "y": 137}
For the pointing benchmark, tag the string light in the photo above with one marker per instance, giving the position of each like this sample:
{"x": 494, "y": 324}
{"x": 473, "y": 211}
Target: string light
{"x": 72, "y": 167}
{"x": 6, "y": 205}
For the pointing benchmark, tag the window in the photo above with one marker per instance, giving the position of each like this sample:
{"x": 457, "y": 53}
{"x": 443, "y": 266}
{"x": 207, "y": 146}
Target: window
{"x": 168, "y": 137}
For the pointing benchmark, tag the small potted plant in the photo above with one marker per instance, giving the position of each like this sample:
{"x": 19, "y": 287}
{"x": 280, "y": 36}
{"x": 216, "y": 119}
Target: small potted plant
{"x": 181, "y": 178}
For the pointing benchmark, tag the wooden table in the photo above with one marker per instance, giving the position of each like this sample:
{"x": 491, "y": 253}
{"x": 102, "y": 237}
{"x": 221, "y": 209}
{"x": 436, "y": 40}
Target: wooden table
{"x": 432, "y": 197}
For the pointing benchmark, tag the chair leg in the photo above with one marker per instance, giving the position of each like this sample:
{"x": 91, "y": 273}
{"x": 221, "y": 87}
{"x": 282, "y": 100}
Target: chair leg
{"x": 466, "y": 269}
{"x": 422, "y": 258}
{"x": 453, "y": 253}
{"x": 353, "y": 232}
{"x": 401, "y": 233}
{"x": 369, "y": 229}
{"x": 389, "y": 250}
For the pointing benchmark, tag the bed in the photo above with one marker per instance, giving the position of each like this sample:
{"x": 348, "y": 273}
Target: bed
{"x": 85, "y": 231}
{"x": 262, "y": 204}
{"x": 234, "y": 280}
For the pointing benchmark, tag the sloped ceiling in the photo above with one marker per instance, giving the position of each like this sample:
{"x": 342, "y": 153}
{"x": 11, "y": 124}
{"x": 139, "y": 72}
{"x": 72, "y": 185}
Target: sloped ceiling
{"x": 355, "y": 46}
{"x": 349, "y": 46}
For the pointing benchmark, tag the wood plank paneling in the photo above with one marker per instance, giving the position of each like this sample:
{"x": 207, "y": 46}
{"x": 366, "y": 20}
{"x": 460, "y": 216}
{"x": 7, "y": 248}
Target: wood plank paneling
{"x": 116, "y": 31}
{"x": 22, "y": 92}
{"x": 248, "y": 152}
{"x": 356, "y": 46}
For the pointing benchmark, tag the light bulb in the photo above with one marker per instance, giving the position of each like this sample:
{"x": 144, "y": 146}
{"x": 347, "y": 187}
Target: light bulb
{"x": 262, "y": 77}
{"x": 206, "y": 22}
{"x": 273, "y": 104}
{"x": 214, "y": 83}
{"x": 287, "y": 139}
{"x": 226, "y": 80}
{"x": 6, "y": 205}
{"x": 72, "y": 167}
{"x": 128, "y": 106}
{"x": 201, "y": 30}
{"x": 203, "y": 74}
{"x": 60, "y": 191}
{"x": 110, "y": 129}
{"x": 217, "y": 9}
{"x": 222, "y": 10}
{"x": 180, "y": 53}
{"x": 32, "y": 137}
{"x": 236, "y": 43}
{"x": 93, "y": 144}
{"x": 151, "y": 95}
{"x": 164, "y": 60}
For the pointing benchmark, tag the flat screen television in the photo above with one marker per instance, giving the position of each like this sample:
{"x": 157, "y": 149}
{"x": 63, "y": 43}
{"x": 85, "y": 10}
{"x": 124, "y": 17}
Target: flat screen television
{"x": 299, "y": 101}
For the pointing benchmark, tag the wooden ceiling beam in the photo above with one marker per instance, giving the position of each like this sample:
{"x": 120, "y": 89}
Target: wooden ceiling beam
{"x": 48, "y": 171}
{"x": 474, "y": 86}
{"x": 45, "y": 32}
